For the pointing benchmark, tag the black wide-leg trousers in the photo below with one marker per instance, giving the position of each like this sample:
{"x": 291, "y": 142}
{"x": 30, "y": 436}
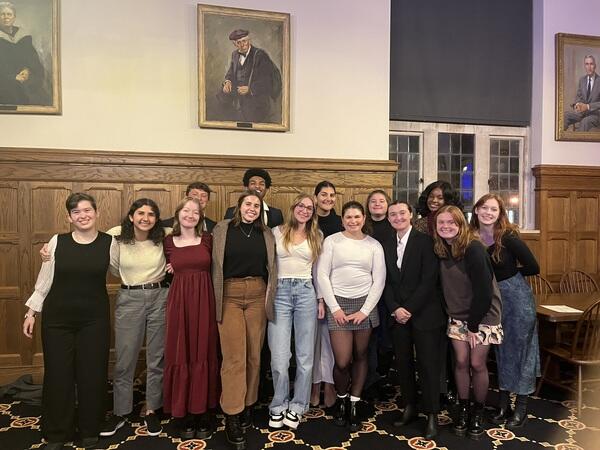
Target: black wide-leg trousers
{"x": 75, "y": 378}
{"x": 424, "y": 344}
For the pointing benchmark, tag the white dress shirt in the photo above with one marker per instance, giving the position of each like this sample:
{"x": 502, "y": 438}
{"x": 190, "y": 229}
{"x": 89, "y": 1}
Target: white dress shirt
{"x": 401, "y": 247}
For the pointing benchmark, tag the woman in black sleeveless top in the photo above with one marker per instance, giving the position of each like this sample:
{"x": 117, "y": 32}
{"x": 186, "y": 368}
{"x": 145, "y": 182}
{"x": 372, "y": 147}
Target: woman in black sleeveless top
{"x": 71, "y": 288}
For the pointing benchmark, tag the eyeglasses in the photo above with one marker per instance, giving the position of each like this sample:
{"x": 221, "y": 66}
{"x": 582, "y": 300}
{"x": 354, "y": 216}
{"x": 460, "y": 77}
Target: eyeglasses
{"x": 302, "y": 206}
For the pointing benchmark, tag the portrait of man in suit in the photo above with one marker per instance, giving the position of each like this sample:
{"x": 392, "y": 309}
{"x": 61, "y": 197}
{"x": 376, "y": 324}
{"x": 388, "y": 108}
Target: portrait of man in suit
{"x": 585, "y": 109}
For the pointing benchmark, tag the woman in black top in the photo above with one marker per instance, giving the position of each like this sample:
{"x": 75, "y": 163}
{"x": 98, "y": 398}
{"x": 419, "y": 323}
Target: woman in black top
{"x": 436, "y": 194}
{"x": 380, "y": 343}
{"x": 473, "y": 304}
{"x": 71, "y": 288}
{"x": 518, "y": 356}
{"x": 244, "y": 279}
{"x": 329, "y": 223}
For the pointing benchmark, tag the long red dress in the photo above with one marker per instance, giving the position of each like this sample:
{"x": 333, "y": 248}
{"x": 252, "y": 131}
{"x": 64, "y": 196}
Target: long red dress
{"x": 191, "y": 376}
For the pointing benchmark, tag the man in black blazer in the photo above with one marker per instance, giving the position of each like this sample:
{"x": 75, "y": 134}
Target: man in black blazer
{"x": 418, "y": 320}
{"x": 201, "y": 191}
{"x": 259, "y": 180}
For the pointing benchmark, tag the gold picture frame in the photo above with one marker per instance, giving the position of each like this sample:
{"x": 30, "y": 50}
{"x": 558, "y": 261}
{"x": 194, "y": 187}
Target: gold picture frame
{"x": 258, "y": 96}
{"x": 574, "y": 57}
{"x": 30, "y": 58}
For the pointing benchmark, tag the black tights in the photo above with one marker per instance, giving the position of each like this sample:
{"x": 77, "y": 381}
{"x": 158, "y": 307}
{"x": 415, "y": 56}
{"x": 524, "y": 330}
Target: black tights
{"x": 350, "y": 350}
{"x": 471, "y": 368}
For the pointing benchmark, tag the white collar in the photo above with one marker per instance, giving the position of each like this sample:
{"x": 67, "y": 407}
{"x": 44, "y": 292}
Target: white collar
{"x": 404, "y": 238}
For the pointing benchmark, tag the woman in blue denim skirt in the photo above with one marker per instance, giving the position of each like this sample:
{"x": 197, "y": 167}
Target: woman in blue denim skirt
{"x": 298, "y": 244}
{"x": 518, "y": 357}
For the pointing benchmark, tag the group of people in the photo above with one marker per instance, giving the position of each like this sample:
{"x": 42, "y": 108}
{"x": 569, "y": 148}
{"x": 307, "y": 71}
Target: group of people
{"x": 206, "y": 296}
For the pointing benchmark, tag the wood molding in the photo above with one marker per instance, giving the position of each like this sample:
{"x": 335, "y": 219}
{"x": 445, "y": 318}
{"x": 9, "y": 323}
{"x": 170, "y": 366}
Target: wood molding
{"x": 562, "y": 177}
{"x": 119, "y": 158}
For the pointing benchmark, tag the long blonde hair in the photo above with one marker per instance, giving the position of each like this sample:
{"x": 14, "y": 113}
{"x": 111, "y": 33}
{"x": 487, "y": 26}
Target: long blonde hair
{"x": 501, "y": 227}
{"x": 465, "y": 235}
{"x": 313, "y": 234}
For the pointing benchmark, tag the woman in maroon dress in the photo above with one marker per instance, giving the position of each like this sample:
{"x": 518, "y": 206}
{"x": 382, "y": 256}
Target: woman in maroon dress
{"x": 191, "y": 376}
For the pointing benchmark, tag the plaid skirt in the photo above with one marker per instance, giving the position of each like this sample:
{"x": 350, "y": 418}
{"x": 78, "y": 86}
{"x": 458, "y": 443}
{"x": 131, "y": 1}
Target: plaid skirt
{"x": 487, "y": 334}
{"x": 349, "y": 306}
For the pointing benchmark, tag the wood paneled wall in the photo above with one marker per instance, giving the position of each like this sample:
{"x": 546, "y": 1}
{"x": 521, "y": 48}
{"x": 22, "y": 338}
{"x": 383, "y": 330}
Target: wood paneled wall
{"x": 567, "y": 200}
{"x": 34, "y": 184}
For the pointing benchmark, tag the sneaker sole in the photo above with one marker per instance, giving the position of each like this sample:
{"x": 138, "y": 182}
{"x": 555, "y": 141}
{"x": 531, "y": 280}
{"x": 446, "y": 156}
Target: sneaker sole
{"x": 112, "y": 432}
{"x": 292, "y": 425}
{"x": 276, "y": 425}
{"x": 153, "y": 433}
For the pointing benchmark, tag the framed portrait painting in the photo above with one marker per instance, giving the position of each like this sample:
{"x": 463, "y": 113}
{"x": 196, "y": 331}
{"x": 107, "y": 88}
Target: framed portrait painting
{"x": 577, "y": 88}
{"x": 29, "y": 57}
{"x": 243, "y": 69}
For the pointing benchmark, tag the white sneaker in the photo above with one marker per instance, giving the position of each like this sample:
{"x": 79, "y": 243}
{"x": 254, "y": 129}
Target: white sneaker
{"x": 291, "y": 419}
{"x": 275, "y": 420}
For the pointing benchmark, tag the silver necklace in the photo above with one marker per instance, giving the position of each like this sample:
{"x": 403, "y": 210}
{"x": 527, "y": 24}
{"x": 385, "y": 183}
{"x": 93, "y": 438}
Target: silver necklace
{"x": 244, "y": 233}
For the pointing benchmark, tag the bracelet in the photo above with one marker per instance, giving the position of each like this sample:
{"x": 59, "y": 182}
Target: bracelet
{"x": 29, "y": 316}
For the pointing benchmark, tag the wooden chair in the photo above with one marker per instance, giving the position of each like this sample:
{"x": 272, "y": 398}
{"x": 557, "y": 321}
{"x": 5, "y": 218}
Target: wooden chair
{"x": 577, "y": 281}
{"x": 539, "y": 285}
{"x": 583, "y": 351}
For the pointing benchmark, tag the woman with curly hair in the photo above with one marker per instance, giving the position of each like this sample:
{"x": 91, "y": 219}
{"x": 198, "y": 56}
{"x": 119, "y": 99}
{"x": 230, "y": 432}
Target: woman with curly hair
{"x": 518, "y": 357}
{"x": 435, "y": 195}
{"x": 474, "y": 311}
{"x": 139, "y": 311}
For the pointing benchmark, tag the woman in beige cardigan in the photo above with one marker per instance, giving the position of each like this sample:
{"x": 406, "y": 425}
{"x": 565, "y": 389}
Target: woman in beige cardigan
{"x": 244, "y": 279}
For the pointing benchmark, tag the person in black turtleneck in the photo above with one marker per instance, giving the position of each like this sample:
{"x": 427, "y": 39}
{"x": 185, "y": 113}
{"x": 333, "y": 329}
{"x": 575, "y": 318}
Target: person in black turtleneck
{"x": 329, "y": 223}
{"x": 380, "y": 345}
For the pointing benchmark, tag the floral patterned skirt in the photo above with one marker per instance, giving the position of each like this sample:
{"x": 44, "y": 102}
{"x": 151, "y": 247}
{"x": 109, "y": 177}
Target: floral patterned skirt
{"x": 487, "y": 334}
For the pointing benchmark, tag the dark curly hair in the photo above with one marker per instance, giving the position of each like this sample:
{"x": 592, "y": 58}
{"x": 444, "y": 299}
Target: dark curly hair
{"x": 451, "y": 197}
{"x": 255, "y": 172}
{"x": 156, "y": 233}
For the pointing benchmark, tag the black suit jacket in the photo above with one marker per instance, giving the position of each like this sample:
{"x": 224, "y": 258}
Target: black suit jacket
{"x": 415, "y": 287}
{"x": 210, "y": 224}
{"x": 274, "y": 216}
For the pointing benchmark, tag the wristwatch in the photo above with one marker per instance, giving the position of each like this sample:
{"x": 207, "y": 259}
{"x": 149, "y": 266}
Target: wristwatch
{"x": 27, "y": 315}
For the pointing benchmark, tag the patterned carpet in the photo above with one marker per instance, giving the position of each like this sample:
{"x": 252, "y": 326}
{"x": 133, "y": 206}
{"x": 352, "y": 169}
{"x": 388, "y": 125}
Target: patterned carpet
{"x": 552, "y": 424}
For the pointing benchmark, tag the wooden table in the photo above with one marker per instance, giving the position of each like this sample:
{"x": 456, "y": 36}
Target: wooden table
{"x": 578, "y": 301}
{"x": 553, "y": 325}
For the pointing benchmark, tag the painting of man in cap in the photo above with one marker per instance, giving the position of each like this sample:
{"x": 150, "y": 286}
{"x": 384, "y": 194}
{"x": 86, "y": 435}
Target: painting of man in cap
{"x": 250, "y": 83}
{"x": 247, "y": 88}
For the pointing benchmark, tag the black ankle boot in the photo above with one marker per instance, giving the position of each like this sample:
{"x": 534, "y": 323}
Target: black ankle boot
{"x": 408, "y": 415}
{"x": 204, "y": 428}
{"x": 234, "y": 432}
{"x": 187, "y": 430}
{"x": 476, "y": 423}
{"x": 462, "y": 418}
{"x": 431, "y": 429}
{"x": 340, "y": 408}
{"x": 353, "y": 421}
{"x": 246, "y": 417}
{"x": 519, "y": 416}
{"x": 503, "y": 411}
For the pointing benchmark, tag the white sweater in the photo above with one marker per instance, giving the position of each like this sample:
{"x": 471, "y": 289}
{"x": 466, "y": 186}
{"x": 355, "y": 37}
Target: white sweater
{"x": 351, "y": 268}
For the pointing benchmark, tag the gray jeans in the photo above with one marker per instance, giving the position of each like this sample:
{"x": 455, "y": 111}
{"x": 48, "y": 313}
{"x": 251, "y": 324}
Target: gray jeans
{"x": 139, "y": 312}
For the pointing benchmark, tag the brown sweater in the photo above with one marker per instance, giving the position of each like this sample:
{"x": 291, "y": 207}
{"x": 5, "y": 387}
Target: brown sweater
{"x": 470, "y": 290}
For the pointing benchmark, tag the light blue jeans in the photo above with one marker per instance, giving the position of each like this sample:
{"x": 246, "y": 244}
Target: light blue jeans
{"x": 295, "y": 304}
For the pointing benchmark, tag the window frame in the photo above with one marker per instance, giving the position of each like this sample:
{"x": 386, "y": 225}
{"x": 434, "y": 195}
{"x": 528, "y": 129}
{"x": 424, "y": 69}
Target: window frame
{"x": 482, "y": 134}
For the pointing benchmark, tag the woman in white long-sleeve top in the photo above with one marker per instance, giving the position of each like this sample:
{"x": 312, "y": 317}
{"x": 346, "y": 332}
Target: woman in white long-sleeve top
{"x": 351, "y": 277}
{"x": 71, "y": 289}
